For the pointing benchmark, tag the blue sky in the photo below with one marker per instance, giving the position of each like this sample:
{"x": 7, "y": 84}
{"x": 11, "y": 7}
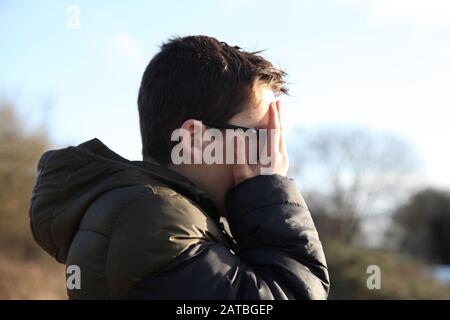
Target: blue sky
{"x": 381, "y": 64}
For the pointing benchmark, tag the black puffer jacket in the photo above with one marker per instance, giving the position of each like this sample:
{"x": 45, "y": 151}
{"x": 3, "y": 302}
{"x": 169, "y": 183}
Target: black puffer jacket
{"x": 139, "y": 230}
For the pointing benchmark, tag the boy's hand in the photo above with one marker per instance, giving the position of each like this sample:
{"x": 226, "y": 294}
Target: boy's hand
{"x": 276, "y": 151}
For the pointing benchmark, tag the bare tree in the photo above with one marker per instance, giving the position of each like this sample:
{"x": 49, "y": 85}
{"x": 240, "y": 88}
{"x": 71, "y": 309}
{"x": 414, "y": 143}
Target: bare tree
{"x": 351, "y": 175}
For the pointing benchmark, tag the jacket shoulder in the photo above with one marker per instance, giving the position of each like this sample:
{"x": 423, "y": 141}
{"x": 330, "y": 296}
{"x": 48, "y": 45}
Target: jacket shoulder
{"x": 137, "y": 231}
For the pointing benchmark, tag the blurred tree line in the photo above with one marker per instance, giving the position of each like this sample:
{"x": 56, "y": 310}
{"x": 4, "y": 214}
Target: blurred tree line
{"x": 363, "y": 189}
{"x": 423, "y": 224}
{"x": 351, "y": 178}
{"x": 25, "y": 270}
{"x": 19, "y": 150}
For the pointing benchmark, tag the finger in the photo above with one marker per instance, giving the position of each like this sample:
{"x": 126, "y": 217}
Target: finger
{"x": 274, "y": 130}
{"x": 240, "y": 156}
{"x": 277, "y": 104}
{"x": 283, "y": 148}
{"x": 274, "y": 120}
{"x": 240, "y": 171}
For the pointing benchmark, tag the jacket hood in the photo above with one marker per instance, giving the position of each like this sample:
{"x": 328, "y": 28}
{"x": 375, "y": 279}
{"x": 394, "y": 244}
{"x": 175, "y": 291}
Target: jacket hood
{"x": 69, "y": 180}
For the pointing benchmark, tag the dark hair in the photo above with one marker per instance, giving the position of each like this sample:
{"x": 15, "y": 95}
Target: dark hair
{"x": 197, "y": 77}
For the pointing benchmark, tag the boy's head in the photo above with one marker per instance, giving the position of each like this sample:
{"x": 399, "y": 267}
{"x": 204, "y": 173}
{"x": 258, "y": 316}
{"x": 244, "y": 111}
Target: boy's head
{"x": 201, "y": 78}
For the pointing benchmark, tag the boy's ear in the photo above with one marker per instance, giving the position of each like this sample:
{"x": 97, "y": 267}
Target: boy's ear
{"x": 188, "y": 133}
{"x": 192, "y": 141}
{"x": 192, "y": 126}
{"x": 188, "y": 125}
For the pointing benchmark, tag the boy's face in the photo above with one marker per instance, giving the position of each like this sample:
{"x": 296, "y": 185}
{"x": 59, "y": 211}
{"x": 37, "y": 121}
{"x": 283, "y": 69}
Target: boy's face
{"x": 197, "y": 138}
{"x": 217, "y": 178}
{"x": 256, "y": 115}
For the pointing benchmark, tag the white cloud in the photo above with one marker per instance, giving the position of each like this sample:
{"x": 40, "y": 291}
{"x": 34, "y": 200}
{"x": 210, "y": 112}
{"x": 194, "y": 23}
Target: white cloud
{"x": 416, "y": 12}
